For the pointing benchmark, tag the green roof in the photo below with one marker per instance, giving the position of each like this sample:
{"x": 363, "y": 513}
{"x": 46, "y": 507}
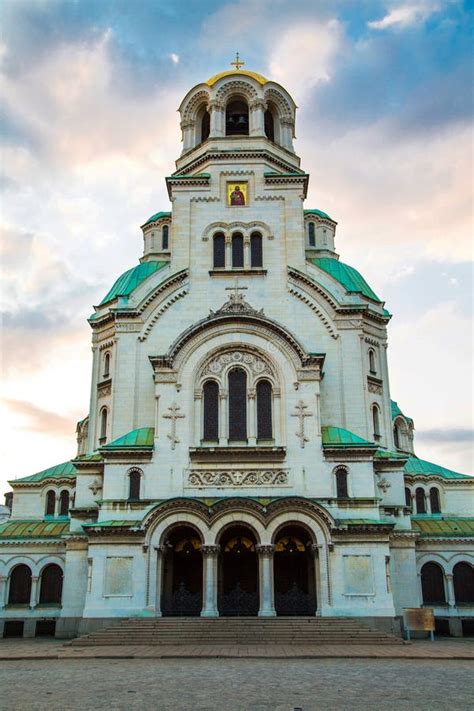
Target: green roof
{"x": 33, "y": 529}
{"x": 319, "y": 213}
{"x": 131, "y": 279}
{"x": 420, "y": 466}
{"x": 389, "y": 454}
{"x": 143, "y": 437}
{"x": 113, "y": 524}
{"x": 338, "y": 437}
{"x": 349, "y": 277}
{"x": 94, "y": 457}
{"x": 442, "y": 526}
{"x": 157, "y": 216}
{"x": 396, "y": 411}
{"x": 66, "y": 470}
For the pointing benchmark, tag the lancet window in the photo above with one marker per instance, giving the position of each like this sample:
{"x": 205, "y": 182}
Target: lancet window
{"x": 50, "y": 508}
{"x": 165, "y": 237}
{"x": 64, "y": 503}
{"x": 311, "y": 234}
{"x": 237, "y": 250}
{"x": 134, "y": 484}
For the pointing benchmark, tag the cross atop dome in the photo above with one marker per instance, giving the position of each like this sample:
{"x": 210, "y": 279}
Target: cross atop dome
{"x": 237, "y": 63}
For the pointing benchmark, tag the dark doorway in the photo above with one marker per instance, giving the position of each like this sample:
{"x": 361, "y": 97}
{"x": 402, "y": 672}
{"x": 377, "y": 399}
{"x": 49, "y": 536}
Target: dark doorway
{"x": 13, "y": 628}
{"x": 20, "y": 586}
{"x": 432, "y": 584}
{"x": 295, "y": 584}
{"x": 182, "y": 574}
{"x": 238, "y": 574}
{"x": 45, "y": 628}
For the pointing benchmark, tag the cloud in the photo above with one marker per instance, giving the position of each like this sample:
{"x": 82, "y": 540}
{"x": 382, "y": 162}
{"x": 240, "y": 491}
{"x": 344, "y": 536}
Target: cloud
{"x": 36, "y": 419}
{"x": 407, "y": 15}
{"x": 174, "y": 58}
{"x": 447, "y": 435}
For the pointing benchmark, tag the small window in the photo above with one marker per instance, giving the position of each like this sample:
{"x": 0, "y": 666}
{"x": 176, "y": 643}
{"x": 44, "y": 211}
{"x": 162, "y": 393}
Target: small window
{"x": 211, "y": 411}
{"x": 376, "y": 423}
{"x": 311, "y": 235}
{"x": 205, "y": 126}
{"x": 264, "y": 410}
{"x": 269, "y": 125}
{"x": 372, "y": 368}
{"x": 256, "y": 250}
{"x": 103, "y": 425}
{"x": 396, "y": 436}
{"x": 106, "y": 365}
{"x": 341, "y": 484}
{"x": 434, "y": 500}
{"x": 237, "y": 251}
{"x": 134, "y": 485}
{"x": 64, "y": 503}
{"x": 9, "y": 500}
{"x": 165, "y": 237}
{"x": 50, "y": 509}
{"x": 420, "y": 500}
{"x": 219, "y": 251}
{"x": 407, "y": 497}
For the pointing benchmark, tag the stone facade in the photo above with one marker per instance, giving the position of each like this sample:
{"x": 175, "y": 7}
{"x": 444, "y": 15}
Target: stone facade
{"x": 147, "y": 487}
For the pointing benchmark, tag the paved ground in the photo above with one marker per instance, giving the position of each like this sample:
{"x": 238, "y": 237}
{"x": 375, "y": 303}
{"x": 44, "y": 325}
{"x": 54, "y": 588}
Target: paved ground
{"x": 236, "y": 685}
{"x": 447, "y": 648}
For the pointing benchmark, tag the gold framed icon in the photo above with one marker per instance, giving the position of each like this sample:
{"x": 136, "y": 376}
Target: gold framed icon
{"x": 237, "y": 194}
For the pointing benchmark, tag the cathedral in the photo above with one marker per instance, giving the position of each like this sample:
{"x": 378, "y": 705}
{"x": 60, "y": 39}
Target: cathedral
{"x": 242, "y": 455}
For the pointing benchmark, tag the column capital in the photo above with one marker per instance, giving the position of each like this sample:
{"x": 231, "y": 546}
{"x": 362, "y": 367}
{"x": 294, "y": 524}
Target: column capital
{"x": 160, "y": 549}
{"x": 210, "y": 549}
{"x": 265, "y": 549}
{"x": 315, "y": 548}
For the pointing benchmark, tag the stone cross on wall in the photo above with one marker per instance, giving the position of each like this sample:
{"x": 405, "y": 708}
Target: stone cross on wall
{"x": 301, "y": 414}
{"x": 236, "y": 299}
{"x": 173, "y": 414}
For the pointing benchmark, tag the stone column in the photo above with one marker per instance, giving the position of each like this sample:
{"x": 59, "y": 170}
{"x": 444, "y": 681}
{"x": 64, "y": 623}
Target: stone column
{"x": 209, "y": 587}
{"x": 217, "y": 119}
{"x": 277, "y": 416}
{"x": 251, "y": 417}
{"x": 256, "y": 118}
{"x": 286, "y": 133}
{"x": 160, "y": 551}
{"x": 34, "y": 591}
{"x": 247, "y": 252}
{"x": 198, "y": 417}
{"x": 267, "y": 597}
{"x": 322, "y": 575}
{"x": 228, "y": 251}
{"x": 3, "y": 591}
{"x": 450, "y": 590}
{"x": 222, "y": 417}
{"x": 187, "y": 128}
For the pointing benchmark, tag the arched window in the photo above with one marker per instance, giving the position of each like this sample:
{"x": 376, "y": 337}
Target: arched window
{"x": 269, "y": 125}
{"x": 103, "y": 425}
{"x": 9, "y": 500}
{"x": 20, "y": 586}
{"x": 106, "y": 365}
{"x": 64, "y": 503}
{"x": 341, "y": 483}
{"x": 237, "y": 250}
{"x": 407, "y": 497}
{"x": 432, "y": 584}
{"x": 205, "y": 126}
{"x": 434, "y": 500}
{"x": 256, "y": 250}
{"x": 372, "y": 364}
{"x": 311, "y": 235}
{"x": 211, "y": 411}
{"x": 51, "y": 587}
{"x": 396, "y": 436}
{"x": 50, "y": 509}
{"x": 264, "y": 410}
{"x": 237, "y": 118}
{"x": 463, "y": 580}
{"x": 134, "y": 481}
{"x": 420, "y": 500}
{"x": 219, "y": 250}
{"x": 237, "y": 405}
{"x": 165, "y": 237}
{"x": 376, "y": 422}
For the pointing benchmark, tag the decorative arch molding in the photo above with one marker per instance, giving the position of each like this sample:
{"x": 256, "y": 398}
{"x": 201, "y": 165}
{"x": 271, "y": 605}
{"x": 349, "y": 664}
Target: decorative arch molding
{"x": 236, "y": 87}
{"x": 192, "y": 103}
{"x": 245, "y": 227}
{"x": 216, "y": 365}
{"x": 303, "y": 296}
{"x": 278, "y": 99}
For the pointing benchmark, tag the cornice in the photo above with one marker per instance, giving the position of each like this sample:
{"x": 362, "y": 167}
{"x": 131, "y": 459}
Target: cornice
{"x": 414, "y": 478}
{"x": 219, "y": 156}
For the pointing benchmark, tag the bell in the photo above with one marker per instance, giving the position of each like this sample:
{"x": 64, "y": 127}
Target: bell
{"x": 242, "y": 121}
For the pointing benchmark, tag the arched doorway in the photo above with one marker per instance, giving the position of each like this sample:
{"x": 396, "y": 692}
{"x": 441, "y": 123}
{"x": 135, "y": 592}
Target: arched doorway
{"x": 51, "y": 587}
{"x": 20, "y": 585}
{"x": 238, "y": 573}
{"x": 295, "y": 580}
{"x": 182, "y": 573}
{"x": 432, "y": 584}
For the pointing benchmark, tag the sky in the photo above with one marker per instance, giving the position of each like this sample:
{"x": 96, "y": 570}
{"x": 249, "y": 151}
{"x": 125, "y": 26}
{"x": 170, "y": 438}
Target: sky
{"x": 89, "y": 129}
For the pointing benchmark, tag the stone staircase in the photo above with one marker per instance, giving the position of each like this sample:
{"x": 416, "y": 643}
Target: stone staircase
{"x": 233, "y": 631}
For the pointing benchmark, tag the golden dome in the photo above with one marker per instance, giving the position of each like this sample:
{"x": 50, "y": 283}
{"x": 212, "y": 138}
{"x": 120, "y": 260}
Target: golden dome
{"x": 237, "y": 72}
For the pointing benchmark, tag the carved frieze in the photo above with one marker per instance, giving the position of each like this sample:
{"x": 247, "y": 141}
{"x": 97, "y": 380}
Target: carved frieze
{"x": 256, "y": 364}
{"x": 239, "y": 478}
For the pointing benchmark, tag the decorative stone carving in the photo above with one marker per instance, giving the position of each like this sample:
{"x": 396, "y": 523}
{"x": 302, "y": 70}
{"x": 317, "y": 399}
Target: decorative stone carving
{"x": 301, "y": 414}
{"x": 95, "y": 487}
{"x": 236, "y": 304}
{"x": 256, "y": 364}
{"x": 173, "y": 414}
{"x": 104, "y": 390}
{"x": 242, "y": 478}
{"x": 384, "y": 484}
{"x": 210, "y": 549}
{"x": 265, "y": 549}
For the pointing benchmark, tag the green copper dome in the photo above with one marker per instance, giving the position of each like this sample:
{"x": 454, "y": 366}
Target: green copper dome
{"x": 349, "y": 277}
{"x": 131, "y": 279}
